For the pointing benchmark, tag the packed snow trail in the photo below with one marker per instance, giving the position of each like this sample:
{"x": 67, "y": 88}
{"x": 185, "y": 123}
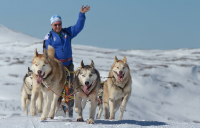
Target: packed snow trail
{"x": 15, "y": 121}
{"x": 60, "y": 122}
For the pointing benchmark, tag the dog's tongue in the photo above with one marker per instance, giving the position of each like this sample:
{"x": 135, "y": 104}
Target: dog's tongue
{"x": 120, "y": 78}
{"x": 85, "y": 89}
{"x": 39, "y": 79}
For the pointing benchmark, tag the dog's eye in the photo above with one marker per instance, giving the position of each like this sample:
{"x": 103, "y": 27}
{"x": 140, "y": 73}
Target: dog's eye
{"x": 36, "y": 65}
{"x": 31, "y": 77}
{"x": 123, "y": 67}
{"x": 118, "y": 67}
{"x": 83, "y": 75}
{"x": 90, "y": 75}
{"x": 43, "y": 65}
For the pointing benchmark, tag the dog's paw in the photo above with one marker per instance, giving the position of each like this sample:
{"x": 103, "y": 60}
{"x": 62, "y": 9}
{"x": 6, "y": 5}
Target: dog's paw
{"x": 80, "y": 119}
{"x": 111, "y": 118}
{"x": 43, "y": 118}
{"x": 32, "y": 113}
{"x": 90, "y": 121}
{"x": 51, "y": 116}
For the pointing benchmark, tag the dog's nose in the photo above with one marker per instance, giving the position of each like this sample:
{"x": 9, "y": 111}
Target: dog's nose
{"x": 120, "y": 72}
{"x": 86, "y": 83}
{"x": 39, "y": 72}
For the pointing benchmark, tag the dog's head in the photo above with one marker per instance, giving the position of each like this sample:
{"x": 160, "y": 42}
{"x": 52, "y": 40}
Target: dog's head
{"x": 87, "y": 77}
{"x": 28, "y": 77}
{"x": 41, "y": 65}
{"x": 120, "y": 69}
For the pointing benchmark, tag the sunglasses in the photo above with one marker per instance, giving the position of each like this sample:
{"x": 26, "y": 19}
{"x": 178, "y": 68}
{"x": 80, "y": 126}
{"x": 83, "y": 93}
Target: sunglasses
{"x": 57, "y": 24}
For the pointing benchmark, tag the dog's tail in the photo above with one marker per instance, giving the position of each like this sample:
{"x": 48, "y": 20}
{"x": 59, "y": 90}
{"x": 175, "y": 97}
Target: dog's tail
{"x": 51, "y": 51}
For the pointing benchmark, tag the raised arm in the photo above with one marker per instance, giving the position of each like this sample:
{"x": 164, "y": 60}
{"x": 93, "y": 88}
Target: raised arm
{"x": 74, "y": 30}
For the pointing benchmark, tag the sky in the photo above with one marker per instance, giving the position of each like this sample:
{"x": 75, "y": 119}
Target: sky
{"x": 113, "y": 24}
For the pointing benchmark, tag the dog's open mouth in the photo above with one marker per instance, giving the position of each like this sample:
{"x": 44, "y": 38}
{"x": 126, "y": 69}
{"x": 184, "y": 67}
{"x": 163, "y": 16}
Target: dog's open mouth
{"x": 86, "y": 88}
{"x": 39, "y": 78}
{"x": 119, "y": 76}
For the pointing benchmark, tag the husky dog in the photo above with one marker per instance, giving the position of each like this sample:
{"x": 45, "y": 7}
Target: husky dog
{"x": 117, "y": 89}
{"x": 87, "y": 83}
{"x": 49, "y": 77}
{"x": 26, "y": 91}
{"x": 100, "y": 102}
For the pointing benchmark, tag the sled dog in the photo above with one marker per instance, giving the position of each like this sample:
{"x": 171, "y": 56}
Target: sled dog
{"x": 49, "y": 77}
{"x": 100, "y": 102}
{"x": 117, "y": 89}
{"x": 87, "y": 83}
{"x": 26, "y": 91}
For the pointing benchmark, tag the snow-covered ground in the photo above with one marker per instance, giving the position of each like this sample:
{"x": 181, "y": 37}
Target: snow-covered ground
{"x": 165, "y": 88}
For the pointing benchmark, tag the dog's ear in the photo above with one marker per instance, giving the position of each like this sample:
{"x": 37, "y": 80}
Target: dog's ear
{"x": 124, "y": 60}
{"x": 29, "y": 70}
{"x": 82, "y": 64}
{"x": 45, "y": 53}
{"x": 92, "y": 64}
{"x": 116, "y": 59}
{"x": 36, "y": 53}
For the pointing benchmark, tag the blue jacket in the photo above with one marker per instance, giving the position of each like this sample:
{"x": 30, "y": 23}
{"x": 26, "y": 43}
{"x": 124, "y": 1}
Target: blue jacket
{"x": 62, "y": 45}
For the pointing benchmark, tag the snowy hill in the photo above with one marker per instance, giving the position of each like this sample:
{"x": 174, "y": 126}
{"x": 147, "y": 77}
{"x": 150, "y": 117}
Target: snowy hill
{"x": 7, "y": 35}
{"x": 165, "y": 87}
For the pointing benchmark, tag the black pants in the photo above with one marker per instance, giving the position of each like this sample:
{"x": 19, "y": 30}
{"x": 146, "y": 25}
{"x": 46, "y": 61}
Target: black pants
{"x": 71, "y": 90}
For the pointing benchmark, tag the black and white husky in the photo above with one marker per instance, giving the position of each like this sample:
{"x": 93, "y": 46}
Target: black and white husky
{"x": 26, "y": 91}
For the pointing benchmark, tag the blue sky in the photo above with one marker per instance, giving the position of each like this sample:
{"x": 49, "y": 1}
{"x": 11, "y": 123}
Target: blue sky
{"x": 115, "y": 24}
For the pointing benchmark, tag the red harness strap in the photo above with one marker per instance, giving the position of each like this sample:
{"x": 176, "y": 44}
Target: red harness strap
{"x": 65, "y": 60}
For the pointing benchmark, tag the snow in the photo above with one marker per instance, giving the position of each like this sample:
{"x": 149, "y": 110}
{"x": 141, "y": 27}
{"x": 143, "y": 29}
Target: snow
{"x": 165, "y": 88}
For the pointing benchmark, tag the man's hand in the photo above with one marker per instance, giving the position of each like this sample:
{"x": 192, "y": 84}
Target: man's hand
{"x": 85, "y": 9}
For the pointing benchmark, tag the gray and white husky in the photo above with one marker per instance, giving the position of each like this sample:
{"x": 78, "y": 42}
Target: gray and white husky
{"x": 26, "y": 91}
{"x": 87, "y": 83}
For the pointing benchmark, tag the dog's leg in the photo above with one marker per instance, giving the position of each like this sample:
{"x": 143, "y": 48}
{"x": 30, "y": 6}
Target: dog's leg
{"x": 123, "y": 105}
{"x": 106, "y": 113}
{"x": 40, "y": 101}
{"x": 53, "y": 106}
{"x": 105, "y": 102}
{"x": 100, "y": 111}
{"x": 34, "y": 96}
{"x": 78, "y": 108}
{"x": 23, "y": 101}
{"x": 111, "y": 106}
{"x": 28, "y": 101}
{"x": 58, "y": 104}
{"x": 48, "y": 95}
{"x": 117, "y": 104}
{"x": 93, "y": 105}
{"x": 84, "y": 103}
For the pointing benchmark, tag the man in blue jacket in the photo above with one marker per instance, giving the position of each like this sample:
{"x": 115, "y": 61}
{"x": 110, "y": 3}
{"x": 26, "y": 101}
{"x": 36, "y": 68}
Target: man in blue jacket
{"x": 60, "y": 39}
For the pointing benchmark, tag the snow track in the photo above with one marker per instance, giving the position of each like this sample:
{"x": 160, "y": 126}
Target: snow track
{"x": 60, "y": 122}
